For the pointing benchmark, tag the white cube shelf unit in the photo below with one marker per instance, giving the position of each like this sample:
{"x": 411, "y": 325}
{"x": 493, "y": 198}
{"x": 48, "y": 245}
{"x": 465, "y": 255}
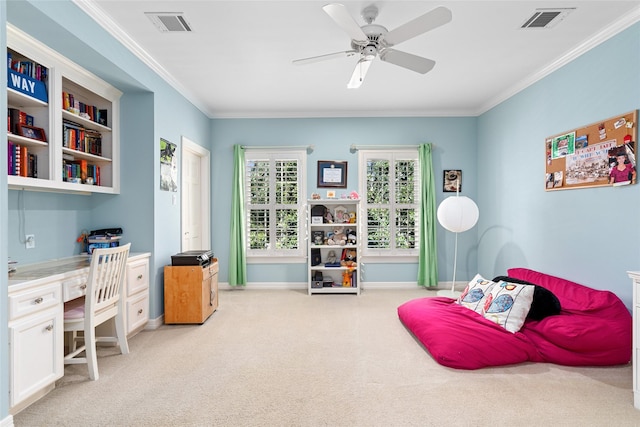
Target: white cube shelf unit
{"x": 325, "y": 217}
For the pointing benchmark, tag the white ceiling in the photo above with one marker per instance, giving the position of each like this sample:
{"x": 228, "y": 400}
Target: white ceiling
{"x": 237, "y": 61}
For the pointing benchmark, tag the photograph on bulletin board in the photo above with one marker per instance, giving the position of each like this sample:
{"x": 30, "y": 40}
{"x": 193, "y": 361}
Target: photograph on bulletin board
{"x": 597, "y": 155}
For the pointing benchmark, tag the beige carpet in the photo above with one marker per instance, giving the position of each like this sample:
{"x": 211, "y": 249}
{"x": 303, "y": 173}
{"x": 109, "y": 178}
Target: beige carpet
{"x": 283, "y": 358}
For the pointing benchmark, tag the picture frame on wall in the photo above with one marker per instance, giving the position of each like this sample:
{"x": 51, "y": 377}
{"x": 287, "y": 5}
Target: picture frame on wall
{"x": 332, "y": 174}
{"x": 452, "y": 181}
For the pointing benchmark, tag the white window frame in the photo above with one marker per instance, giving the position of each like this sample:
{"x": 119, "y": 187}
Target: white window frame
{"x": 273, "y": 255}
{"x": 391, "y": 254}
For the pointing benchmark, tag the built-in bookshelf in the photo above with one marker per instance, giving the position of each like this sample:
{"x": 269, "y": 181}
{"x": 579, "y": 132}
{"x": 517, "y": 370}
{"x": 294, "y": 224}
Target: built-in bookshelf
{"x": 62, "y": 122}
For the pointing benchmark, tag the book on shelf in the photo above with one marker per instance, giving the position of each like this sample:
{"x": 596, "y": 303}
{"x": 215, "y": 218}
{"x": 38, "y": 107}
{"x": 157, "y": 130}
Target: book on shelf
{"x": 20, "y": 161}
{"x": 24, "y": 164}
{"x": 79, "y": 172}
{"x": 76, "y": 137}
{"x": 87, "y": 111}
{"x": 33, "y": 165}
{"x": 27, "y": 67}
{"x": 16, "y": 160}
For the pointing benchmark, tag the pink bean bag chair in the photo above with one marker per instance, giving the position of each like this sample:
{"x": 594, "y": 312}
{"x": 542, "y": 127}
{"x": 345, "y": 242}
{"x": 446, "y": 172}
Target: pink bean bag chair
{"x": 589, "y": 327}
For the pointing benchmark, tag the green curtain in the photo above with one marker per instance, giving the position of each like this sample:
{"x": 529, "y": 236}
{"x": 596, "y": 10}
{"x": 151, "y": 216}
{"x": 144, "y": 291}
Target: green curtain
{"x": 237, "y": 247}
{"x": 428, "y": 258}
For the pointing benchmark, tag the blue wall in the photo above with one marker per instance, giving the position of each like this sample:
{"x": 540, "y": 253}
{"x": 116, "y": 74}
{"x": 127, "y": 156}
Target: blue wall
{"x": 587, "y": 235}
{"x": 454, "y": 141}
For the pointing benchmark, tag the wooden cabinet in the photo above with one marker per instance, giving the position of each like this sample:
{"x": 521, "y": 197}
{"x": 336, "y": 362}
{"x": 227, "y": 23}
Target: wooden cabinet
{"x": 325, "y": 217}
{"x": 190, "y": 293}
{"x": 85, "y": 160}
{"x": 635, "y": 277}
{"x": 36, "y": 337}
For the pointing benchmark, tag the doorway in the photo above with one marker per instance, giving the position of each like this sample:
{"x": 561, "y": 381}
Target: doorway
{"x": 195, "y": 201}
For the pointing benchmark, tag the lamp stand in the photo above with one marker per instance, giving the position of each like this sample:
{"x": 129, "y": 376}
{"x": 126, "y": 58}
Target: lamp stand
{"x": 452, "y": 293}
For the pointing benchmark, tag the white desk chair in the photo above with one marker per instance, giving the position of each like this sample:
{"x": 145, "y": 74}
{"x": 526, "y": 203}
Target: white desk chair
{"x": 101, "y": 303}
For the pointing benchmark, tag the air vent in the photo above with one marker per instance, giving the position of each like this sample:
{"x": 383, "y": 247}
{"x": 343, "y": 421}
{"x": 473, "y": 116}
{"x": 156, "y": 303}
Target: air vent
{"x": 169, "y": 22}
{"x": 547, "y": 18}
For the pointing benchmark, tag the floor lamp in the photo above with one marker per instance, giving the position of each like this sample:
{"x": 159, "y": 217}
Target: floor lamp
{"x": 457, "y": 214}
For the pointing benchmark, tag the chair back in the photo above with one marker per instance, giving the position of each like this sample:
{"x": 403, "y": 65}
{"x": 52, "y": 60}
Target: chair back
{"x": 105, "y": 282}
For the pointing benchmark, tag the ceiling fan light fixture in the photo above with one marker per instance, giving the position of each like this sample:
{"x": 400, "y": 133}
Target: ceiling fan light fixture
{"x": 358, "y": 74}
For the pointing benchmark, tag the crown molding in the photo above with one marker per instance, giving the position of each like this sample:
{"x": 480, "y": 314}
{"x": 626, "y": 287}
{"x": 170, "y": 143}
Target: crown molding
{"x": 109, "y": 25}
{"x": 604, "y": 35}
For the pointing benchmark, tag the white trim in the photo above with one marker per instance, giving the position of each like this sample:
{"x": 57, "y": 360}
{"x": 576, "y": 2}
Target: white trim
{"x": 7, "y": 422}
{"x": 604, "y": 35}
{"x": 91, "y": 8}
{"x": 388, "y": 259}
{"x": 205, "y": 189}
{"x": 271, "y": 259}
{"x": 286, "y": 286}
{"x": 275, "y": 256}
{"x": 265, "y": 286}
{"x": 403, "y": 153}
{"x": 153, "y": 324}
{"x": 96, "y": 13}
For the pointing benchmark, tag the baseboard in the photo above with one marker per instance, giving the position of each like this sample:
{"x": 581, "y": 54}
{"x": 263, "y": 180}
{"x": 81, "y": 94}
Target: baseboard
{"x": 365, "y": 285}
{"x": 154, "y": 323}
{"x": 7, "y": 421}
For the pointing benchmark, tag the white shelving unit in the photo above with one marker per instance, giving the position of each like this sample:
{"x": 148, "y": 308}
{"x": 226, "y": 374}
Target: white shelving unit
{"x": 64, "y": 76}
{"x": 319, "y": 247}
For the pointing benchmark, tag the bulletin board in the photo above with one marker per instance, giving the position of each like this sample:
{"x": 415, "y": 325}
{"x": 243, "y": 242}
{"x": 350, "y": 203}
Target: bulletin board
{"x": 586, "y": 157}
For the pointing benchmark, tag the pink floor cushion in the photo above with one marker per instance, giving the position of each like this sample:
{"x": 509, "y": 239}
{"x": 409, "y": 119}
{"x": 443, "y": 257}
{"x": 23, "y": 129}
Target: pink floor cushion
{"x": 458, "y": 337}
{"x": 592, "y": 329}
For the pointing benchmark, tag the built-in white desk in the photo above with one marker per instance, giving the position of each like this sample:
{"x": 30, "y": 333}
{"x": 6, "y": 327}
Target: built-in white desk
{"x": 37, "y": 293}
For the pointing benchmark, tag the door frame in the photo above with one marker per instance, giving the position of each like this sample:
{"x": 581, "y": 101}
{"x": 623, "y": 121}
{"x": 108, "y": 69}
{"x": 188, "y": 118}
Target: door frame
{"x": 205, "y": 190}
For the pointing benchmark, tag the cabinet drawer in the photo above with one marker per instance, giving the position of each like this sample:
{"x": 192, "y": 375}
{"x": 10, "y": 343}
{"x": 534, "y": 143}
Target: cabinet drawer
{"x": 137, "y": 312}
{"x": 137, "y": 277}
{"x": 74, "y": 288}
{"x": 28, "y": 302}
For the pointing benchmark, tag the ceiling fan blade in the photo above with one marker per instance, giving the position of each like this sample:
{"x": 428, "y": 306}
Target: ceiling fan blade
{"x": 343, "y": 18}
{"x": 430, "y": 20}
{"x": 406, "y": 60}
{"x": 358, "y": 73}
{"x": 343, "y": 54}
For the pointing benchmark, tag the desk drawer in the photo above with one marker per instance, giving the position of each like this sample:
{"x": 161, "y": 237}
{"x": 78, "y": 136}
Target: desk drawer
{"x": 137, "y": 312}
{"x": 24, "y": 303}
{"x": 137, "y": 276}
{"x": 74, "y": 288}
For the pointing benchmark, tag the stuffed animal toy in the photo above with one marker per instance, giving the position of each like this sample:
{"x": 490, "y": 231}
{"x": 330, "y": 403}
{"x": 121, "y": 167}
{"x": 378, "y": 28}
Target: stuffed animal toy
{"x": 338, "y": 237}
{"x": 349, "y": 258}
{"x": 351, "y": 236}
{"x": 346, "y": 279}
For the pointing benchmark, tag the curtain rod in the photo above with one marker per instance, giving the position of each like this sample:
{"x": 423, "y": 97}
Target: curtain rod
{"x": 355, "y": 147}
{"x": 309, "y": 148}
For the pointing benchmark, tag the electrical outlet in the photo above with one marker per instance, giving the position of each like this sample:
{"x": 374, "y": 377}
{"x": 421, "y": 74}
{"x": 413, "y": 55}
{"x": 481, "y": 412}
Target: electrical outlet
{"x": 30, "y": 241}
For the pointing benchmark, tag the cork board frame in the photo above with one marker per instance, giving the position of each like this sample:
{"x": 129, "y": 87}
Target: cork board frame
{"x": 585, "y": 157}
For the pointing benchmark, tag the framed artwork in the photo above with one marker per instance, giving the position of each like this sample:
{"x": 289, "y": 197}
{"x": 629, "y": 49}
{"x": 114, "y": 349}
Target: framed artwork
{"x": 452, "y": 181}
{"x": 332, "y": 174}
{"x": 168, "y": 166}
{"x": 32, "y": 132}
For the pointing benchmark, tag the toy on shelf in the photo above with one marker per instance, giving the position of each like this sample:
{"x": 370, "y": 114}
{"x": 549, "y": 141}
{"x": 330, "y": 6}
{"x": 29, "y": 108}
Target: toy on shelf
{"x": 338, "y": 237}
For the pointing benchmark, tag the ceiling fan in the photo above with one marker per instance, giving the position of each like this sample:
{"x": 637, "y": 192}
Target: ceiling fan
{"x": 372, "y": 40}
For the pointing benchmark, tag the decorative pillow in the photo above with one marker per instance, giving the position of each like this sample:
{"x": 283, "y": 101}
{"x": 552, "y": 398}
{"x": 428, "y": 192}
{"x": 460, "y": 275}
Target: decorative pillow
{"x": 475, "y": 294}
{"x": 508, "y": 305}
{"x": 544, "y": 304}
